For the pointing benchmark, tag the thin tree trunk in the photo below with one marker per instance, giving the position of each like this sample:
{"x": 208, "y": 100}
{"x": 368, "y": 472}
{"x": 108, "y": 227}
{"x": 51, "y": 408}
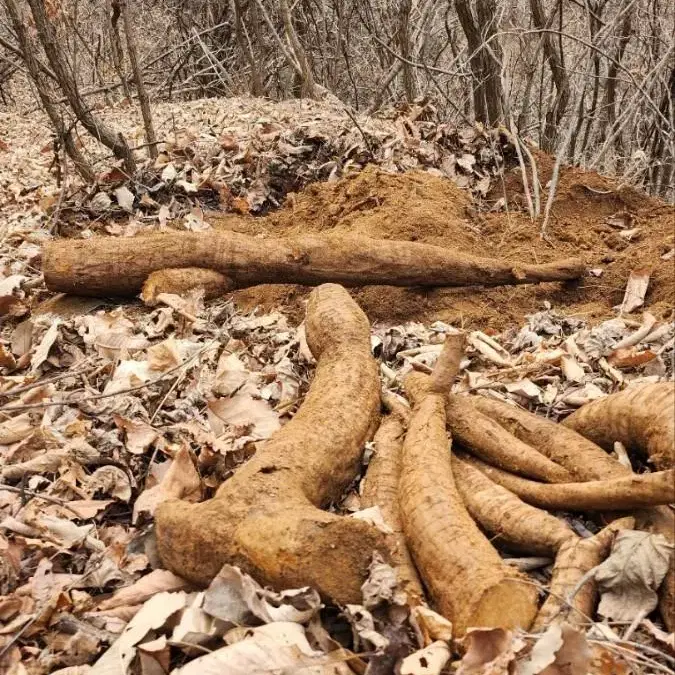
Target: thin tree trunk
{"x": 150, "y": 136}
{"x": 404, "y": 46}
{"x": 558, "y": 74}
{"x": 486, "y": 14}
{"x": 63, "y": 133}
{"x": 116, "y": 49}
{"x": 609, "y": 103}
{"x": 111, "y": 139}
{"x": 256, "y": 86}
{"x": 307, "y": 85}
{"x": 472, "y": 34}
{"x": 483, "y": 60}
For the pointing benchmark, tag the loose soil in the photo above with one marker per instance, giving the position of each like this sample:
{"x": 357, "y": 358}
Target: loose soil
{"x": 419, "y": 206}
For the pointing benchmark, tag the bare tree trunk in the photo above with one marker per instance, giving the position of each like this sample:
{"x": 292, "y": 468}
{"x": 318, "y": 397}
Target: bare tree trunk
{"x": 307, "y": 85}
{"x": 594, "y": 22}
{"x": 150, "y": 136}
{"x": 404, "y": 45}
{"x": 116, "y": 49}
{"x": 609, "y": 103}
{"x": 486, "y": 13}
{"x": 63, "y": 133}
{"x": 559, "y": 75}
{"x": 485, "y": 69}
{"x": 256, "y": 86}
{"x": 66, "y": 79}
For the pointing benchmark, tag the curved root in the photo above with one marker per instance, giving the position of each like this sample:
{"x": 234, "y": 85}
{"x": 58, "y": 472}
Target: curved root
{"x": 491, "y": 442}
{"x": 641, "y": 417}
{"x": 505, "y": 516}
{"x": 267, "y": 518}
{"x": 583, "y": 459}
{"x": 629, "y": 492}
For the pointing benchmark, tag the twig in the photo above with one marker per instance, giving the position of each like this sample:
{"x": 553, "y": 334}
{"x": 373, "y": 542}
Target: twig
{"x": 363, "y": 133}
{"x": 37, "y": 495}
{"x": 41, "y": 611}
{"x": 98, "y": 397}
{"x": 48, "y": 380}
{"x": 166, "y": 396}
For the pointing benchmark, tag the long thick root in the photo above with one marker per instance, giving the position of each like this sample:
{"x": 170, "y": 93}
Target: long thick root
{"x": 380, "y": 488}
{"x": 620, "y": 494}
{"x": 641, "y": 417}
{"x": 575, "y": 558}
{"x": 465, "y": 575}
{"x": 583, "y": 459}
{"x": 266, "y": 518}
{"x": 505, "y": 516}
{"x": 119, "y": 266}
{"x": 491, "y": 442}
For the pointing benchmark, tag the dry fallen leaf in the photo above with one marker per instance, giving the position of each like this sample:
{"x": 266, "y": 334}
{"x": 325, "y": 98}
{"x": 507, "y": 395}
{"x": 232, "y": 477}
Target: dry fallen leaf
{"x": 157, "y": 581}
{"x": 165, "y": 355}
{"x": 561, "y": 650}
{"x": 636, "y": 289}
{"x": 427, "y": 661}
{"x": 231, "y": 375}
{"x": 273, "y": 648}
{"x": 432, "y": 625}
{"x": 242, "y": 411}
{"x": 139, "y": 435}
{"x": 381, "y": 586}
{"x": 16, "y": 429}
{"x": 181, "y": 481}
{"x": 109, "y": 480}
{"x": 153, "y": 615}
{"x": 42, "y": 350}
{"x": 489, "y": 651}
{"x": 125, "y": 198}
{"x": 196, "y": 626}
{"x": 236, "y": 598}
{"x": 632, "y": 573}
{"x": 630, "y": 357}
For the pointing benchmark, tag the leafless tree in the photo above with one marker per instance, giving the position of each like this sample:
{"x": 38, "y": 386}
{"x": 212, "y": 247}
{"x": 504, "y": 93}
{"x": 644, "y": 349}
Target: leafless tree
{"x": 594, "y": 77}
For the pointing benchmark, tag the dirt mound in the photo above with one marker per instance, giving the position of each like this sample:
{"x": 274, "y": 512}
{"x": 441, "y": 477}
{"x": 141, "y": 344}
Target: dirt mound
{"x": 613, "y": 229}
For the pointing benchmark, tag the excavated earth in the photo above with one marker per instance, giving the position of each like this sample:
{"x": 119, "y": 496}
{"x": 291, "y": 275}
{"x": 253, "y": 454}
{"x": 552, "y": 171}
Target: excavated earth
{"x": 614, "y": 229}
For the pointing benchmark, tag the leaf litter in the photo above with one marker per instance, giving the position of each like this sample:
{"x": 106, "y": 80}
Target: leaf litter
{"x": 107, "y": 411}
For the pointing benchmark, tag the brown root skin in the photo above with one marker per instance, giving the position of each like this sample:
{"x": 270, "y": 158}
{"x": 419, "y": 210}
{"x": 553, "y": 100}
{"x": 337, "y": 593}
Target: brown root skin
{"x": 575, "y": 558}
{"x": 617, "y": 494}
{"x": 266, "y": 518}
{"x": 583, "y": 459}
{"x": 586, "y": 461}
{"x": 490, "y": 441}
{"x": 641, "y": 417}
{"x": 119, "y": 266}
{"x": 183, "y": 280}
{"x": 467, "y": 579}
{"x": 380, "y": 488}
{"x": 503, "y": 515}
{"x": 447, "y": 366}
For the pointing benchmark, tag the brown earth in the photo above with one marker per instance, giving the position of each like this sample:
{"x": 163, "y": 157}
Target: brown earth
{"x": 423, "y": 207}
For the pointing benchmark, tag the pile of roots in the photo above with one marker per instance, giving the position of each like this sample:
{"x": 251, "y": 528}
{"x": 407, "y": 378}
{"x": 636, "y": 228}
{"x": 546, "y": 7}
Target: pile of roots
{"x": 451, "y": 474}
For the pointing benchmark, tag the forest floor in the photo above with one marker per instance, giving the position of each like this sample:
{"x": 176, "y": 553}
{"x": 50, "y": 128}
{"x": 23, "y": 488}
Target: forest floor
{"x": 102, "y": 401}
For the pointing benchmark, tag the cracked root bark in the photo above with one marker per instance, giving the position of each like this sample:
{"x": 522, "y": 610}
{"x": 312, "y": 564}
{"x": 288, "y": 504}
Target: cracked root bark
{"x": 267, "y": 518}
{"x": 467, "y": 579}
{"x": 380, "y": 488}
{"x": 641, "y": 417}
{"x": 120, "y": 266}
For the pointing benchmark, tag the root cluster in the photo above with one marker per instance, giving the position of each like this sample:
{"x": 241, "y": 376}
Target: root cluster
{"x": 446, "y": 507}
